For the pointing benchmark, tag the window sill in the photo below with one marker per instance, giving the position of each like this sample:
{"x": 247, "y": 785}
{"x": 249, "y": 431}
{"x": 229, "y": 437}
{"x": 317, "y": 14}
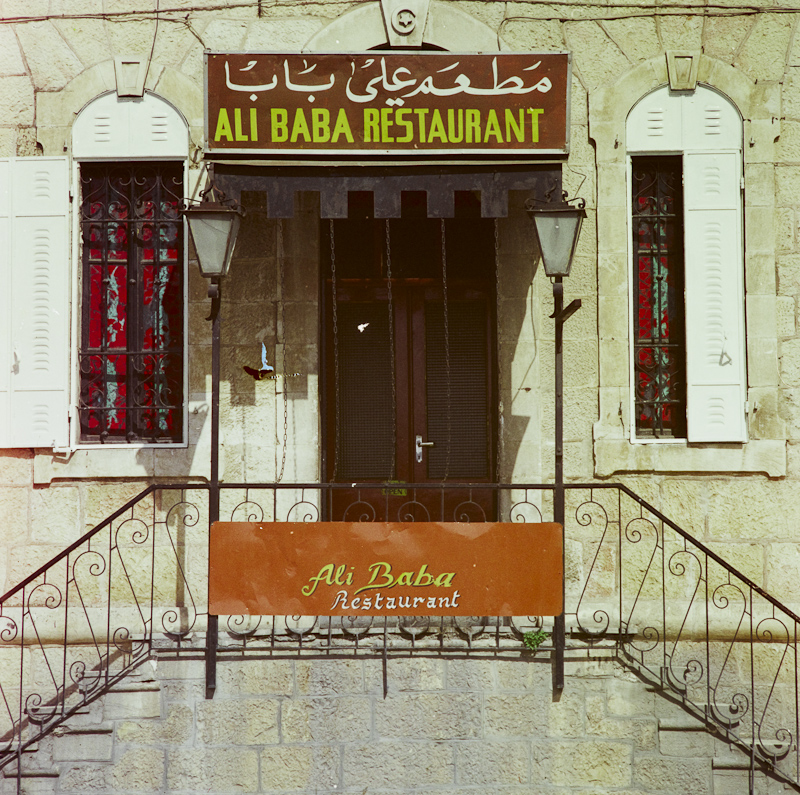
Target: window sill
{"x": 185, "y": 462}
{"x": 121, "y": 462}
{"x": 613, "y": 456}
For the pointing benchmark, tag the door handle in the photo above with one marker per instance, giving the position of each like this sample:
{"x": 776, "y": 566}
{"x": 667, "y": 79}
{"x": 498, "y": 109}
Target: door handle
{"x": 418, "y": 447}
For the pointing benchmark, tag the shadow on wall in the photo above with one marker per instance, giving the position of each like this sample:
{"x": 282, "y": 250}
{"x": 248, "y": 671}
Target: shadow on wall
{"x": 519, "y": 260}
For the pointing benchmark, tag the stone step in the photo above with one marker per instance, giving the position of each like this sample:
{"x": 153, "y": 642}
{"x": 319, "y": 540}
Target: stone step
{"x": 731, "y": 776}
{"x": 84, "y": 744}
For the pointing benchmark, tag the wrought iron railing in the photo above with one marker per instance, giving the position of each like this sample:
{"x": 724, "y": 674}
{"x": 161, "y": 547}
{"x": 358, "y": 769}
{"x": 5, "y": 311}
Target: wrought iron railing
{"x": 636, "y": 585}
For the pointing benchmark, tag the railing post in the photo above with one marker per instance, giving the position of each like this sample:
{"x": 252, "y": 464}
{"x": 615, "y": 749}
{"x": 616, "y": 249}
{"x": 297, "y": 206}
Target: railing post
{"x": 214, "y": 291}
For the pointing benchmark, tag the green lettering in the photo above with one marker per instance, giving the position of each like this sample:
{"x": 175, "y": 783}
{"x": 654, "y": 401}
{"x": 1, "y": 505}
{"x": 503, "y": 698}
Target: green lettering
{"x": 386, "y": 123}
{"x": 406, "y": 578}
{"x": 421, "y": 113}
{"x": 535, "y": 113}
{"x": 325, "y": 573}
{"x": 223, "y": 126}
{"x": 455, "y": 137}
{"x": 237, "y": 125}
{"x": 253, "y": 125}
{"x": 342, "y": 127}
{"x": 400, "y": 122}
{"x": 444, "y": 580}
{"x": 473, "y": 126}
{"x": 280, "y": 127}
{"x": 300, "y": 126}
{"x": 381, "y": 569}
{"x": 423, "y": 578}
{"x": 513, "y": 127}
{"x": 372, "y": 131}
{"x": 437, "y": 127}
{"x": 320, "y": 124}
{"x": 493, "y": 127}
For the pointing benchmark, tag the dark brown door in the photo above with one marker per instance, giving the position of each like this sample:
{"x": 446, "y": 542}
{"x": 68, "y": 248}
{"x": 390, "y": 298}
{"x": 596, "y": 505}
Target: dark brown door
{"x": 410, "y": 388}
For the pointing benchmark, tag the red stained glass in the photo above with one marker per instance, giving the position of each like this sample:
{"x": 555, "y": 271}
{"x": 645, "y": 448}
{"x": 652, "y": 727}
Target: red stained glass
{"x": 132, "y": 318}
{"x": 659, "y": 346}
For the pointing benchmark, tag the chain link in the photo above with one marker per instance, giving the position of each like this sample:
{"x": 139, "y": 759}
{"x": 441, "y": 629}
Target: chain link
{"x": 335, "y": 351}
{"x": 284, "y": 367}
{"x": 446, "y": 345}
{"x": 498, "y": 348}
{"x": 393, "y": 471}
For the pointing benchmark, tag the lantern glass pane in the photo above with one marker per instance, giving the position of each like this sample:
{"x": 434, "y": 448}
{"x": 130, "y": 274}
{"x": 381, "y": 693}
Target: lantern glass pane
{"x": 558, "y": 233}
{"x": 210, "y": 235}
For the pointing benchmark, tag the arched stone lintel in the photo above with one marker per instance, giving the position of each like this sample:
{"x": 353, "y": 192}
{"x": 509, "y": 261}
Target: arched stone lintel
{"x": 609, "y": 106}
{"x": 57, "y": 111}
{"x": 362, "y": 28}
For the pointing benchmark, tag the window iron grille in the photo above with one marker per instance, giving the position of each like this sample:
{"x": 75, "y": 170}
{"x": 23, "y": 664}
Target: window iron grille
{"x": 131, "y": 357}
{"x": 659, "y": 348}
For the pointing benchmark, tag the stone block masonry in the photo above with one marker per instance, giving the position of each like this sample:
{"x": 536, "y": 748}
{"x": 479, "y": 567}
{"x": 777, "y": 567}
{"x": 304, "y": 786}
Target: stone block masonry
{"x": 447, "y": 726}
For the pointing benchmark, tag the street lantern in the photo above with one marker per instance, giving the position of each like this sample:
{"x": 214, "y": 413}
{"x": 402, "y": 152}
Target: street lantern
{"x": 557, "y": 226}
{"x": 213, "y": 224}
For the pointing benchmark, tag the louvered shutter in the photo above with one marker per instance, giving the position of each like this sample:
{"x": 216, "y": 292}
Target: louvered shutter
{"x": 35, "y": 403}
{"x": 716, "y": 372}
{"x": 116, "y": 128}
{"x": 707, "y": 128}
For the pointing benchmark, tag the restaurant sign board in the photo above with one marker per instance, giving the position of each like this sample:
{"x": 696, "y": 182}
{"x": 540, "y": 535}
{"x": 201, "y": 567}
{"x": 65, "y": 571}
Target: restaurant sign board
{"x": 385, "y": 569}
{"x": 422, "y": 103}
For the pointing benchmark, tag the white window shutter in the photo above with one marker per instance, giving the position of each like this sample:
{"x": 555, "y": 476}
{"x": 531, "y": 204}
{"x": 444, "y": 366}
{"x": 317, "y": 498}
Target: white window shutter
{"x": 128, "y": 128}
{"x": 716, "y": 371}
{"x": 710, "y": 122}
{"x": 37, "y": 346}
{"x": 655, "y": 123}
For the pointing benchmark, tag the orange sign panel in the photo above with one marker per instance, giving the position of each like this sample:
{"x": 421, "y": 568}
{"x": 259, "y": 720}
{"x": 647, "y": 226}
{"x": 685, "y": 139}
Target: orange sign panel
{"x": 385, "y": 569}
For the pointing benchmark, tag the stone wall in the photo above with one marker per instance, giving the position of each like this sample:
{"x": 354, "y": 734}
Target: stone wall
{"x": 457, "y": 727}
{"x": 51, "y": 67}
{"x": 448, "y": 726}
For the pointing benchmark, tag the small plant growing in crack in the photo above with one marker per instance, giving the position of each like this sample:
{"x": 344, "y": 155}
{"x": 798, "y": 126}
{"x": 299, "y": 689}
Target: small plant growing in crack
{"x": 535, "y": 638}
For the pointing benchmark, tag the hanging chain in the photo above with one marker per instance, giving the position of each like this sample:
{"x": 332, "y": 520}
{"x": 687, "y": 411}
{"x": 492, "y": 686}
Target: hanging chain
{"x": 498, "y": 347}
{"x": 335, "y": 352}
{"x": 284, "y": 367}
{"x": 393, "y": 471}
{"x": 446, "y": 345}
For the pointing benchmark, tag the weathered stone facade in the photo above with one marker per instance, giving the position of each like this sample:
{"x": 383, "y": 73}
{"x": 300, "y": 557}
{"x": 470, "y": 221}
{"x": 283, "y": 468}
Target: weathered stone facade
{"x": 455, "y": 726}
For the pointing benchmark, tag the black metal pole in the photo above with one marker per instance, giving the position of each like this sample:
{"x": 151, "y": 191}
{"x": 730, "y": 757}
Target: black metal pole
{"x": 214, "y": 292}
{"x": 559, "y": 633}
{"x": 560, "y": 315}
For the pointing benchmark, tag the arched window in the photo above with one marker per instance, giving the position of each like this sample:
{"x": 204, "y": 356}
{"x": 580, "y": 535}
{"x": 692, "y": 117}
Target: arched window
{"x": 688, "y": 345}
{"x": 131, "y": 155}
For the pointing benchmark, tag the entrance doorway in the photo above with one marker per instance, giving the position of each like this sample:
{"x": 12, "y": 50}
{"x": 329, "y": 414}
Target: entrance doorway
{"x": 410, "y": 360}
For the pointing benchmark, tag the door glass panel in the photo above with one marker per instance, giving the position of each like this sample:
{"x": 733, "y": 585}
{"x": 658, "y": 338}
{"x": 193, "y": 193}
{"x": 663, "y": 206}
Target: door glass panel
{"x": 366, "y": 413}
{"x": 465, "y": 424}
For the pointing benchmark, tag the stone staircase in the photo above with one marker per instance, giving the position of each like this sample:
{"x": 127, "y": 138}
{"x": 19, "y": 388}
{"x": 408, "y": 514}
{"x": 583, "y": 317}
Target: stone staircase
{"x": 111, "y": 695}
{"x": 154, "y": 732}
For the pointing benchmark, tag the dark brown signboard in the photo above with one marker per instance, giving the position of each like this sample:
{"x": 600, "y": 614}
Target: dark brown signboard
{"x": 379, "y": 103}
{"x": 385, "y": 569}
